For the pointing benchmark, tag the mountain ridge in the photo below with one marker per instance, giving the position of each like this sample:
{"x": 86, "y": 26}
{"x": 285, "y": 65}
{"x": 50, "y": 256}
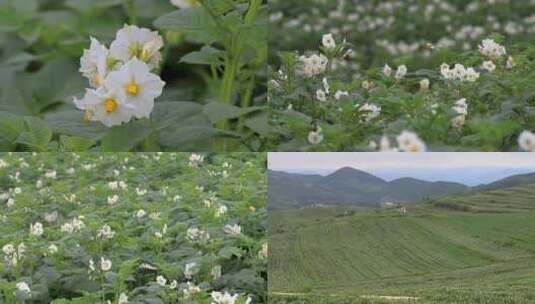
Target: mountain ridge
{"x": 349, "y": 186}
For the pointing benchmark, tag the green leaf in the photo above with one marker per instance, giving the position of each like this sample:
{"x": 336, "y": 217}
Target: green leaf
{"x": 217, "y": 111}
{"x": 10, "y": 127}
{"x": 207, "y": 55}
{"x": 38, "y": 134}
{"x": 76, "y": 144}
{"x": 194, "y": 21}
{"x": 171, "y": 113}
{"x": 72, "y": 123}
{"x": 126, "y": 137}
{"x": 259, "y": 124}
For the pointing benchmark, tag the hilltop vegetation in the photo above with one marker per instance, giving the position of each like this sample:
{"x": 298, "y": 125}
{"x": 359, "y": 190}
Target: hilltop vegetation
{"x": 484, "y": 253}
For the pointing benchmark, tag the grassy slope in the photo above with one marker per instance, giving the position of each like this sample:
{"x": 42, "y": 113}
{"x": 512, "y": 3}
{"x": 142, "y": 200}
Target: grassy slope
{"x": 419, "y": 254}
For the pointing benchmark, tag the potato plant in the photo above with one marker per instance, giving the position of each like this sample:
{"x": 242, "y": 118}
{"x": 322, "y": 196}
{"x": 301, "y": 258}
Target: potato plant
{"x": 132, "y": 228}
{"x": 476, "y": 100}
{"x": 133, "y": 75}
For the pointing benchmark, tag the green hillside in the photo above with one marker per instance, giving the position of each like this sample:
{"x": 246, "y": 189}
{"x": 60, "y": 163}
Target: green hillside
{"x": 437, "y": 252}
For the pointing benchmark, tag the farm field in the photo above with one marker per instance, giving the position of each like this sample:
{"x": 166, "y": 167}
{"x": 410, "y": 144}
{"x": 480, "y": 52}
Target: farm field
{"x": 435, "y": 253}
{"x": 120, "y": 228}
{"x": 133, "y": 75}
{"x": 370, "y": 75}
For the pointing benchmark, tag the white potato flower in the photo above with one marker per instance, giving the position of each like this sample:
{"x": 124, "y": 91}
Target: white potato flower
{"x": 134, "y": 42}
{"x": 105, "y": 264}
{"x": 489, "y": 66}
{"x": 24, "y": 287}
{"x": 387, "y": 70}
{"x": 401, "y": 72}
{"x": 371, "y": 111}
{"x": 315, "y": 137}
{"x": 94, "y": 63}
{"x": 106, "y": 233}
{"x": 410, "y": 142}
{"x": 108, "y": 107}
{"x": 36, "y": 229}
{"x": 224, "y": 298}
{"x": 52, "y": 249}
{"x": 123, "y": 299}
{"x": 491, "y": 49}
{"x": 328, "y": 41}
{"x": 190, "y": 269}
{"x": 232, "y": 229}
{"x": 136, "y": 86}
{"x": 424, "y": 84}
{"x": 526, "y": 141}
{"x": 190, "y": 289}
{"x": 161, "y": 280}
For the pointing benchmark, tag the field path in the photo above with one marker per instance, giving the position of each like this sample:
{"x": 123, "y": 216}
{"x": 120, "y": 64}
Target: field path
{"x": 376, "y": 297}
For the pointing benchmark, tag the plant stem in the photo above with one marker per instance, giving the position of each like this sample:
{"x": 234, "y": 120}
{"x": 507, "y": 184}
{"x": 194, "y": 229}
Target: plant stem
{"x": 131, "y": 11}
{"x": 227, "y": 88}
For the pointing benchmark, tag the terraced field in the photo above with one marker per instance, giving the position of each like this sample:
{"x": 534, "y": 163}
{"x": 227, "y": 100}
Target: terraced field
{"x": 435, "y": 254}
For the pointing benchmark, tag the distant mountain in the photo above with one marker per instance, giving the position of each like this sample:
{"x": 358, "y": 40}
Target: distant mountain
{"x": 508, "y": 182}
{"x": 349, "y": 186}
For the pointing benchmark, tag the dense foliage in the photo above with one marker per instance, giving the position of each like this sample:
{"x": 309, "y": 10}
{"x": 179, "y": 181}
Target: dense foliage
{"x": 132, "y": 228}
{"x": 474, "y": 94}
{"x": 210, "y": 56}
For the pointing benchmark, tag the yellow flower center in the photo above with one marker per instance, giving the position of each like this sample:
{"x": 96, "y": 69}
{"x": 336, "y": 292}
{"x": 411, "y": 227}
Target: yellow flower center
{"x": 110, "y": 105}
{"x": 132, "y": 88}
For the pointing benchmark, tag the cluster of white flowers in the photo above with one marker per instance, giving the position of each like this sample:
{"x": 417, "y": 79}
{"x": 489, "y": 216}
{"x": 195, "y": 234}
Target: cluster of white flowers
{"x": 75, "y": 225}
{"x": 121, "y": 77}
{"x": 401, "y": 71}
{"x": 370, "y": 110}
{"x": 491, "y": 49}
{"x": 312, "y": 65}
{"x": 13, "y": 254}
{"x": 315, "y": 137}
{"x": 9, "y": 196}
{"x": 114, "y": 185}
{"x": 106, "y": 233}
{"x": 234, "y": 229}
{"x": 105, "y": 265}
{"x": 526, "y": 141}
{"x": 112, "y": 200}
{"x": 459, "y": 72}
{"x": 196, "y": 234}
{"x": 141, "y": 213}
{"x": 36, "y": 229}
{"x": 328, "y": 41}
{"x": 462, "y": 109}
{"x": 190, "y": 289}
{"x": 162, "y": 281}
{"x": 195, "y": 160}
{"x": 424, "y": 85}
{"x": 410, "y": 142}
{"x": 24, "y": 287}
{"x": 50, "y": 174}
{"x": 227, "y": 298}
{"x": 191, "y": 269}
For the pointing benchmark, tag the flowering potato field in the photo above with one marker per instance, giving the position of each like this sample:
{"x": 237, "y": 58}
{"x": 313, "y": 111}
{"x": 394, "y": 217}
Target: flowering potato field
{"x": 402, "y": 76}
{"x": 141, "y": 75}
{"x": 133, "y": 228}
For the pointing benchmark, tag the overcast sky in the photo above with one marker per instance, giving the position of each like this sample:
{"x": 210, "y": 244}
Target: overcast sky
{"x": 467, "y": 168}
